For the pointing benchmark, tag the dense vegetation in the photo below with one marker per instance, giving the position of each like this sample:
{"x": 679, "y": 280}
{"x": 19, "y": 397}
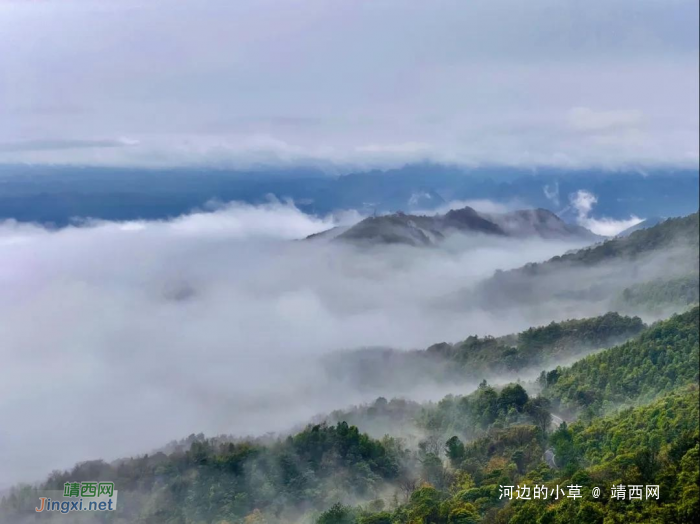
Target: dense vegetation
{"x": 656, "y": 444}
{"x": 219, "y": 482}
{"x": 476, "y": 358}
{"x": 535, "y": 346}
{"x": 662, "y": 236}
{"x": 470, "y": 446}
{"x": 657, "y": 361}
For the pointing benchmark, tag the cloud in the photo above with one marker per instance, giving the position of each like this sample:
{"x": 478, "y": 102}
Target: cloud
{"x": 586, "y": 119}
{"x": 471, "y": 83}
{"x": 118, "y": 337}
{"x": 552, "y": 192}
{"x": 407, "y": 148}
{"x": 583, "y": 202}
{"x": 59, "y": 144}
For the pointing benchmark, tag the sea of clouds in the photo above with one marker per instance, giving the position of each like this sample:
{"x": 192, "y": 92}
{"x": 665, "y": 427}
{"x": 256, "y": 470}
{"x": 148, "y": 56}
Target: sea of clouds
{"x": 118, "y": 337}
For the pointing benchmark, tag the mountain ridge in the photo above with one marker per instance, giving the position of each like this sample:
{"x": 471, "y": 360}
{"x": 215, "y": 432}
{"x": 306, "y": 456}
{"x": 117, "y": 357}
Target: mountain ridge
{"x": 667, "y": 251}
{"x": 430, "y": 230}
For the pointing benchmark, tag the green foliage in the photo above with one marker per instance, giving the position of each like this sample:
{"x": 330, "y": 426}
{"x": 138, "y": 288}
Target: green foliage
{"x": 639, "y": 243}
{"x": 474, "y": 415}
{"x": 661, "y": 359}
{"x": 216, "y": 481}
{"x": 538, "y": 345}
{"x": 454, "y": 450}
{"x": 606, "y": 271}
{"x": 337, "y": 514}
{"x": 654, "y": 444}
{"x": 657, "y": 443}
{"x": 475, "y": 443}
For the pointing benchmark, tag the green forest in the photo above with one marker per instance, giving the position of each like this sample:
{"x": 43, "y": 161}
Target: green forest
{"x": 640, "y": 427}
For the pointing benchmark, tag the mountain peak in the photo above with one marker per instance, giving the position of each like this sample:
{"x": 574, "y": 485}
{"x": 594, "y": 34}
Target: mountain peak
{"x": 419, "y": 230}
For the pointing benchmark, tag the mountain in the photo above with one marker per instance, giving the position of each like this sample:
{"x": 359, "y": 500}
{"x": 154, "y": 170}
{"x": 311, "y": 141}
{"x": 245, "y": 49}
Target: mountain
{"x": 658, "y": 294}
{"x": 659, "y": 360}
{"x": 421, "y": 230}
{"x": 498, "y": 437}
{"x": 601, "y": 273}
{"x": 57, "y": 194}
{"x": 645, "y": 224}
{"x": 541, "y": 223}
{"x": 328, "y": 234}
{"x": 469, "y": 446}
{"x": 477, "y": 358}
{"x": 664, "y": 235}
{"x": 395, "y": 229}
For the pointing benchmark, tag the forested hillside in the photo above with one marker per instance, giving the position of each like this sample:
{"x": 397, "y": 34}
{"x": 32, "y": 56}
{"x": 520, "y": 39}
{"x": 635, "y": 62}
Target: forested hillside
{"x": 466, "y": 448}
{"x": 349, "y": 262}
{"x": 221, "y": 482}
{"x": 656, "y": 444}
{"x": 476, "y": 358}
{"x": 663, "y": 235}
{"x": 536, "y": 346}
{"x": 626, "y": 273}
{"x": 660, "y": 359}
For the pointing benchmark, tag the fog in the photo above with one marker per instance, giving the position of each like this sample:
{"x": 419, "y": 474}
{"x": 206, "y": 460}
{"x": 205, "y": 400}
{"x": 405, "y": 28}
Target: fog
{"x": 118, "y": 337}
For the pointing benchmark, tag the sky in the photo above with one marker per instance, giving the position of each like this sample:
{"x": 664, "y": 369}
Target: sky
{"x": 349, "y": 83}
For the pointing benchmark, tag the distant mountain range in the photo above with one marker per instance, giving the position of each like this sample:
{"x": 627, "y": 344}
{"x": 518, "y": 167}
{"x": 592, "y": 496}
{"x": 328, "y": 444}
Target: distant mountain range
{"x": 57, "y": 194}
{"x": 665, "y": 254}
{"x": 422, "y": 230}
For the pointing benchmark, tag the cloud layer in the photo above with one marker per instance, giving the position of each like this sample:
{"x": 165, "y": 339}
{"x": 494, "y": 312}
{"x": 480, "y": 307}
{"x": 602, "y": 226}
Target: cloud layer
{"x": 355, "y": 83}
{"x": 118, "y": 337}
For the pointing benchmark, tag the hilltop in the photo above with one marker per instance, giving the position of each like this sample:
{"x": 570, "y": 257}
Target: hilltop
{"x": 422, "y": 230}
{"x": 609, "y": 273}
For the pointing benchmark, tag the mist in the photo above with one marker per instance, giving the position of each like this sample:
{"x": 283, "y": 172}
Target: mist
{"x": 119, "y": 337}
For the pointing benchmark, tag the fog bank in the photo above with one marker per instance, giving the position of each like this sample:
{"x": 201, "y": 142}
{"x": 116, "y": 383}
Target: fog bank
{"x": 118, "y": 337}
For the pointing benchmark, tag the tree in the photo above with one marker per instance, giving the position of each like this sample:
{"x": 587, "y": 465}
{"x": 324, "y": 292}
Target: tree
{"x": 337, "y": 514}
{"x": 432, "y": 470}
{"x": 513, "y": 395}
{"x": 538, "y": 409}
{"x": 454, "y": 450}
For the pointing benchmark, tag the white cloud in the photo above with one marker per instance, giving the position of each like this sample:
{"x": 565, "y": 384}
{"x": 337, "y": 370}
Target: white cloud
{"x": 583, "y": 202}
{"x": 310, "y": 82}
{"x": 586, "y": 119}
{"x": 118, "y": 337}
{"x": 609, "y": 227}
